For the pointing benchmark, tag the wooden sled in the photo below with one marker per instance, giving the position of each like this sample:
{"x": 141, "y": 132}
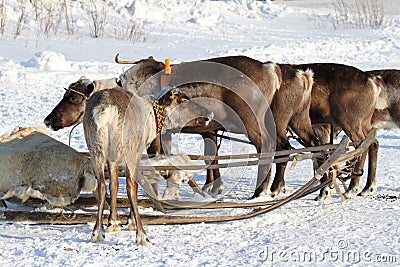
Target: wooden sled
{"x": 333, "y": 167}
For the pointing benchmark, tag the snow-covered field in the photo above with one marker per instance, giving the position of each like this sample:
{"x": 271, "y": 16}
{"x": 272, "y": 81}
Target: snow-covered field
{"x": 34, "y": 69}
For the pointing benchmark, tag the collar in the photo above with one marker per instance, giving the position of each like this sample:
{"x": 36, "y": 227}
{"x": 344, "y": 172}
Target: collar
{"x": 159, "y": 115}
{"x": 160, "y": 112}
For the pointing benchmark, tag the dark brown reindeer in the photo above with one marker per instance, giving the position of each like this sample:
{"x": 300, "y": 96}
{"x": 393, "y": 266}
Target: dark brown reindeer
{"x": 387, "y": 116}
{"x": 347, "y": 98}
{"x": 118, "y": 125}
{"x": 290, "y": 107}
{"x": 290, "y": 104}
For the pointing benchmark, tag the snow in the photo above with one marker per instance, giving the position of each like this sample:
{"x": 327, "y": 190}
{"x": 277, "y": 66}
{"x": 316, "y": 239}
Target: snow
{"x": 34, "y": 68}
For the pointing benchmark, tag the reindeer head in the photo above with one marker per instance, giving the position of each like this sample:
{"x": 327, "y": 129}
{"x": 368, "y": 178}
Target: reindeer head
{"x": 181, "y": 112}
{"x": 69, "y": 111}
{"x": 139, "y": 73}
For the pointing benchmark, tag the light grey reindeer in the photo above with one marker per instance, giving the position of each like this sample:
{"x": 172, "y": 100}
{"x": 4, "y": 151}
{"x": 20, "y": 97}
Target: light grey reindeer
{"x": 118, "y": 125}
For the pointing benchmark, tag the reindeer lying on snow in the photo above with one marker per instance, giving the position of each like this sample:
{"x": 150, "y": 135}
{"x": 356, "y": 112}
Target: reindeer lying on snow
{"x": 32, "y": 164}
{"x": 118, "y": 125}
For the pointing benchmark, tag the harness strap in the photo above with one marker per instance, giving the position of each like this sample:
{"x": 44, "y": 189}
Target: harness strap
{"x": 77, "y": 92}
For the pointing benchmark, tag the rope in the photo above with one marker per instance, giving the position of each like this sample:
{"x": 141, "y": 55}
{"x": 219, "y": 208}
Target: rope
{"x": 70, "y": 134}
{"x": 232, "y": 138}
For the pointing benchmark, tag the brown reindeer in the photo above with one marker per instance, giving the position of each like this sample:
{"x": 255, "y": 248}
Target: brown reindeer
{"x": 385, "y": 116}
{"x": 118, "y": 125}
{"x": 290, "y": 107}
{"x": 238, "y": 90}
{"x": 290, "y": 104}
{"x": 389, "y": 116}
{"x": 347, "y": 98}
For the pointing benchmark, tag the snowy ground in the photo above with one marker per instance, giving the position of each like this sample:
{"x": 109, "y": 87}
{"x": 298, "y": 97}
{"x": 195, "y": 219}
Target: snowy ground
{"x": 34, "y": 69}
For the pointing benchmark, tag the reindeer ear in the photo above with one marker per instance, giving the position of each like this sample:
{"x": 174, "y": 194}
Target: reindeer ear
{"x": 160, "y": 66}
{"x": 89, "y": 89}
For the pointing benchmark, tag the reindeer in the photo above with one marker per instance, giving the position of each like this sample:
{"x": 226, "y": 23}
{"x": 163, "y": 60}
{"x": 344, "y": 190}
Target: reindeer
{"x": 69, "y": 111}
{"x": 290, "y": 107}
{"x": 118, "y": 125}
{"x": 386, "y": 116}
{"x": 174, "y": 178}
{"x": 230, "y": 84}
{"x": 347, "y": 98}
{"x": 287, "y": 92}
{"x": 389, "y": 116}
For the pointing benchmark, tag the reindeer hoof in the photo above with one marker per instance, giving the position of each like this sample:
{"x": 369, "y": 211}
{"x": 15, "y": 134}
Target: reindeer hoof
{"x": 131, "y": 225}
{"x": 366, "y": 192}
{"x": 324, "y": 195}
{"x": 113, "y": 227}
{"x": 142, "y": 240}
{"x": 325, "y": 198}
{"x": 217, "y": 190}
{"x": 350, "y": 193}
{"x": 278, "y": 192}
{"x": 207, "y": 188}
{"x": 98, "y": 237}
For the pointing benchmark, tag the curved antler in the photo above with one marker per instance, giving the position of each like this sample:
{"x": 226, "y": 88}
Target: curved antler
{"x": 117, "y": 60}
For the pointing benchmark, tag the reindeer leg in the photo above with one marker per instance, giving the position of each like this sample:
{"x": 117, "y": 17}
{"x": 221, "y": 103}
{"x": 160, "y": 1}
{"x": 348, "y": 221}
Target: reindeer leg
{"x": 264, "y": 170}
{"x": 132, "y": 189}
{"x": 262, "y": 189}
{"x": 326, "y": 192}
{"x": 166, "y": 143}
{"x": 98, "y": 233}
{"x": 114, "y": 225}
{"x": 370, "y": 187}
{"x": 278, "y": 186}
{"x": 214, "y": 184}
{"x": 210, "y": 177}
{"x": 351, "y": 192}
{"x": 218, "y": 185}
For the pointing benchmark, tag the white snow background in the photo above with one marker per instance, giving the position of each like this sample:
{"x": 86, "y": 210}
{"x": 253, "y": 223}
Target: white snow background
{"x": 35, "y": 66}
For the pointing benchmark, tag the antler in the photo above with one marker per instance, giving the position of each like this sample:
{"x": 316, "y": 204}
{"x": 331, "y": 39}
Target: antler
{"x": 117, "y": 60}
